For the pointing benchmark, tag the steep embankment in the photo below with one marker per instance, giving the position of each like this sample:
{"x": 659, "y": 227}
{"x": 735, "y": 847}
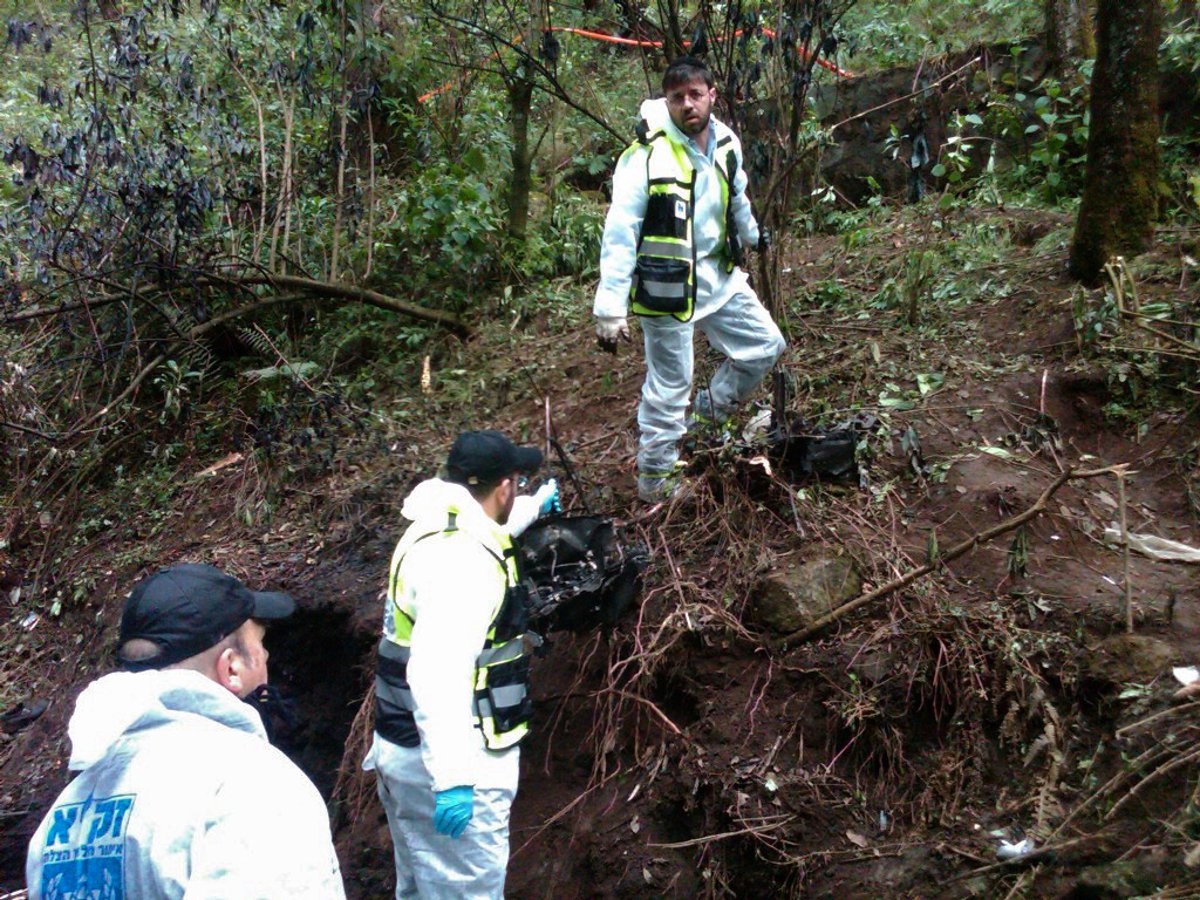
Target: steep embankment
{"x": 695, "y": 750}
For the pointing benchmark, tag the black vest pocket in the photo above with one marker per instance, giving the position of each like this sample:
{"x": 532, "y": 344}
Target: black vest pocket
{"x": 507, "y": 693}
{"x": 666, "y": 216}
{"x": 662, "y": 284}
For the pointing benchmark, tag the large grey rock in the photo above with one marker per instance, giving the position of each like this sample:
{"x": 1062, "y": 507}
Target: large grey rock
{"x": 796, "y": 591}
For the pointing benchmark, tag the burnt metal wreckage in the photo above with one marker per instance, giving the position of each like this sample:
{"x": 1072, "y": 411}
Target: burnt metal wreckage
{"x": 578, "y": 573}
{"x": 801, "y": 451}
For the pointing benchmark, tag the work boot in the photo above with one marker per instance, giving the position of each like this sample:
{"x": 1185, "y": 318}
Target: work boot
{"x": 658, "y": 487}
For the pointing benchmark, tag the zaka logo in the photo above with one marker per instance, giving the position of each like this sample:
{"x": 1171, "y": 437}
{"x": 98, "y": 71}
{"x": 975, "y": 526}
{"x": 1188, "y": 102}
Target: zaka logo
{"x": 84, "y": 853}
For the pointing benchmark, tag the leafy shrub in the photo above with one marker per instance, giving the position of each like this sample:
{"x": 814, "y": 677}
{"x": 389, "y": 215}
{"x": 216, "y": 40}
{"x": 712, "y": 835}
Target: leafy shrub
{"x": 567, "y": 241}
{"x": 443, "y": 229}
{"x": 897, "y": 32}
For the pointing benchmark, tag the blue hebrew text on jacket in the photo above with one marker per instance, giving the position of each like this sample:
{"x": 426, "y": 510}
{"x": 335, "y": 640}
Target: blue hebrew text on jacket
{"x": 84, "y": 851}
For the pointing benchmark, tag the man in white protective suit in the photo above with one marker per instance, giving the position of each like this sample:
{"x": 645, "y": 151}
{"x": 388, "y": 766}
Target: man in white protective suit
{"x": 179, "y": 792}
{"x": 672, "y": 249}
{"x": 451, "y": 691}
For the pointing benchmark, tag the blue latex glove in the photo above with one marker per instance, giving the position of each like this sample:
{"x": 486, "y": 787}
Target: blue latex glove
{"x": 547, "y": 498}
{"x": 452, "y": 809}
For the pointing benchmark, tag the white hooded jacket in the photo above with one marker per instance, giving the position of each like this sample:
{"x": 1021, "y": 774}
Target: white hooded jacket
{"x": 179, "y": 795}
{"x": 623, "y": 225}
{"x": 452, "y": 584}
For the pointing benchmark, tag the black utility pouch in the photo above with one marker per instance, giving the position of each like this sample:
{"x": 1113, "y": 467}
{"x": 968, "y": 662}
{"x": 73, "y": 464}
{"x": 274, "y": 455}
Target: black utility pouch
{"x": 653, "y": 273}
{"x": 510, "y": 673}
{"x": 666, "y": 216}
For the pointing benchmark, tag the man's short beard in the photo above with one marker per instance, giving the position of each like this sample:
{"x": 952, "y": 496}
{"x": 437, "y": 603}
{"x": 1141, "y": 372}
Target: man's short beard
{"x": 691, "y": 130}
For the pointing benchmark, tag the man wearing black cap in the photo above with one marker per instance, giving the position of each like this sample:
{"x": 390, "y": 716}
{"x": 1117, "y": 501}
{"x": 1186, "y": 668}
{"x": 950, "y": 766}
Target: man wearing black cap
{"x": 451, "y": 700}
{"x": 179, "y": 792}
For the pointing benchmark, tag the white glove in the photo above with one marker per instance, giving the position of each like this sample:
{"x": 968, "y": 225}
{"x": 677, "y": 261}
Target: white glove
{"x": 608, "y": 329}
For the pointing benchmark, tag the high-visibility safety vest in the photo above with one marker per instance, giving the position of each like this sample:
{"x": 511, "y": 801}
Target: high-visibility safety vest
{"x": 500, "y": 703}
{"x": 664, "y": 278}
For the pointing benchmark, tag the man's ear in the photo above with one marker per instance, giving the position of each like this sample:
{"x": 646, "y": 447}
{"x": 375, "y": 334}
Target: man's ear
{"x": 230, "y": 670}
{"x": 508, "y": 486}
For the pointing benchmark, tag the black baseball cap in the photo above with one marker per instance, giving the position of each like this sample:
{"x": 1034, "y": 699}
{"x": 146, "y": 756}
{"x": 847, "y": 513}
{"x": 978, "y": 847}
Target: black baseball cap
{"x": 189, "y": 607}
{"x": 482, "y": 457}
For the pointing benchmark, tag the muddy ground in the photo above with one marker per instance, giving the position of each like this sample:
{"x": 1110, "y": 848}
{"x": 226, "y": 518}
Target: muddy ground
{"x": 694, "y": 750}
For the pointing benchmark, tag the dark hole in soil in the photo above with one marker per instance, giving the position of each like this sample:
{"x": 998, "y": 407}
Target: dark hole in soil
{"x": 317, "y": 662}
{"x": 676, "y": 700}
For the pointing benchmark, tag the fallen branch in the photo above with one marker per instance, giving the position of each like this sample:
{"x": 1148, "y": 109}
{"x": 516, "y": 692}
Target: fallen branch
{"x": 130, "y": 389}
{"x": 952, "y": 553}
{"x": 362, "y": 295}
{"x": 42, "y": 311}
{"x": 914, "y": 93}
{"x": 1189, "y": 756}
{"x": 309, "y": 286}
{"x": 1141, "y": 723}
{"x": 1153, "y": 756}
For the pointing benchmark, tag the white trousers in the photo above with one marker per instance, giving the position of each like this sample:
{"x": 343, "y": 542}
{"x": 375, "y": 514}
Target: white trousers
{"x": 434, "y": 866}
{"x": 742, "y": 330}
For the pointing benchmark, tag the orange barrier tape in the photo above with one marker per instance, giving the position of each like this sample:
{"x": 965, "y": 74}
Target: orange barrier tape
{"x": 608, "y": 38}
{"x": 633, "y": 42}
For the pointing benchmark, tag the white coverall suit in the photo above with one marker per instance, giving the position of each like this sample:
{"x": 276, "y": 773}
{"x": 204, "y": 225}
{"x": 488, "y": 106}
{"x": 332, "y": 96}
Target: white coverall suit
{"x": 453, "y": 583}
{"x": 179, "y": 794}
{"x": 727, "y": 309}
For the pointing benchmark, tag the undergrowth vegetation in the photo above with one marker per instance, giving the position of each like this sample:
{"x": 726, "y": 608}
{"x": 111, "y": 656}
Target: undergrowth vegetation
{"x": 262, "y": 261}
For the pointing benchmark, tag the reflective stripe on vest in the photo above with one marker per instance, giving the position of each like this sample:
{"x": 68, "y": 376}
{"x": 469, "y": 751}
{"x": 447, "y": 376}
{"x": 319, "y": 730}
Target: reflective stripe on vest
{"x": 499, "y": 701}
{"x": 664, "y": 280}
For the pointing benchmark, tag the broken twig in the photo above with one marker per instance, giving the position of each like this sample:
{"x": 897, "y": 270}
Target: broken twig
{"x": 1120, "y": 473}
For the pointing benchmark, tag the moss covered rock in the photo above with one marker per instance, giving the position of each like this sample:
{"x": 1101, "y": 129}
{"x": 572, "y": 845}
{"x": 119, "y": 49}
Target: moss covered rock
{"x": 796, "y": 591}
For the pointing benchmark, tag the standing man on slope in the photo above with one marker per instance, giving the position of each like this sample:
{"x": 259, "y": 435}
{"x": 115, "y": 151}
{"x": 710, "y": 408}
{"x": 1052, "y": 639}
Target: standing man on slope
{"x": 451, "y": 700}
{"x": 672, "y": 247}
{"x": 179, "y": 794}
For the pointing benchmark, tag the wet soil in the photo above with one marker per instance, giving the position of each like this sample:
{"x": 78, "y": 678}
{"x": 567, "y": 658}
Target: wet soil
{"x": 691, "y": 752}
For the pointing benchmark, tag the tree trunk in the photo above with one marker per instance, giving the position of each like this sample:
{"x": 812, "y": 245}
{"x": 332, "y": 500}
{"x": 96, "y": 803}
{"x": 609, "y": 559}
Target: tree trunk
{"x": 1120, "y": 200}
{"x": 520, "y": 100}
{"x": 1080, "y": 22}
{"x": 1068, "y": 34}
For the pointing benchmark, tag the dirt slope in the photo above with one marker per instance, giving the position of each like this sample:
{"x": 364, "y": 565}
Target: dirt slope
{"x": 694, "y": 751}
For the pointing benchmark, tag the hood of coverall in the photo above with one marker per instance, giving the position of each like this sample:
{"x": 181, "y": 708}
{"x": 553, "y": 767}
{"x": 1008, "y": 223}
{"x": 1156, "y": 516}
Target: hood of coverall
{"x": 431, "y": 500}
{"x": 123, "y": 702}
{"x": 656, "y": 115}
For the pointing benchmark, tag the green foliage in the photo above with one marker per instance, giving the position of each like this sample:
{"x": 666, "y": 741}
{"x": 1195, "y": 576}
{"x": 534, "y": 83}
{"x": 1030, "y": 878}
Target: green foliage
{"x": 450, "y": 216}
{"x": 566, "y": 241}
{"x": 1032, "y": 140}
{"x": 897, "y": 32}
{"x": 1094, "y": 316}
{"x": 1180, "y": 143}
{"x": 1181, "y": 43}
{"x": 175, "y": 382}
{"x": 955, "y": 154}
{"x": 1056, "y": 139}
